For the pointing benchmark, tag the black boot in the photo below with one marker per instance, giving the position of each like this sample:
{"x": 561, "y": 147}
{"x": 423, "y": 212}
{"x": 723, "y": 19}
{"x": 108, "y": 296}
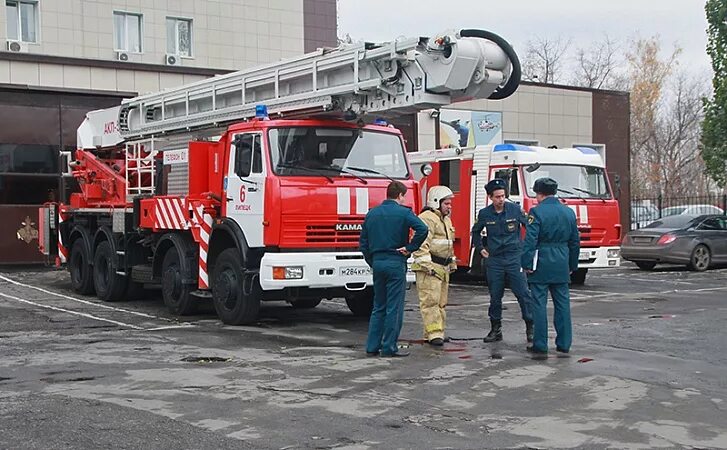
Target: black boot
{"x": 495, "y": 333}
{"x": 529, "y": 330}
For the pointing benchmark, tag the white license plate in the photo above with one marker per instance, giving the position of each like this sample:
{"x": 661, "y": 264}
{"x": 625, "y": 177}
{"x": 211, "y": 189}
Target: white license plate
{"x": 584, "y": 256}
{"x": 355, "y": 271}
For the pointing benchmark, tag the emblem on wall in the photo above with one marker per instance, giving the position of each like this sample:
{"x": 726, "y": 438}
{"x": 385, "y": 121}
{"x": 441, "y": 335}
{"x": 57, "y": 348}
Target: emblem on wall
{"x": 27, "y": 233}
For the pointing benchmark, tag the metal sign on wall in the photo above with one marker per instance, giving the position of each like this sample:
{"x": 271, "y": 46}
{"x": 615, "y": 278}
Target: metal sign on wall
{"x": 19, "y": 235}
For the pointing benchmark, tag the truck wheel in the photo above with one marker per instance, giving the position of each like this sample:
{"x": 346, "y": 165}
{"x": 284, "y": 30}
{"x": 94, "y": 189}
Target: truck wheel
{"x": 79, "y": 265}
{"x": 236, "y": 294}
{"x": 175, "y": 292}
{"x": 110, "y": 287}
{"x": 645, "y": 265}
{"x": 700, "y": 259}
{"x": 306, "y": 303}
{"x": 362, "y": 303}
{"x": 578, "y": 278}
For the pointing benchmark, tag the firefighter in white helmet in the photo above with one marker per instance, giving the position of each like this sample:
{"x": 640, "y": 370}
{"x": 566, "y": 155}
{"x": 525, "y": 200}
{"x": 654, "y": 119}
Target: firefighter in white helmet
{"x": 434, "y": 261}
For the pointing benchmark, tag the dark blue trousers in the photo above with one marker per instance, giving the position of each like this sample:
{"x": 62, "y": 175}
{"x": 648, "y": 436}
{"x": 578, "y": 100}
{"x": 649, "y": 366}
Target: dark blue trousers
{"x": 561, "y": 318}
{"x": 387, "y": 315}
{"x": 499, "y": 267}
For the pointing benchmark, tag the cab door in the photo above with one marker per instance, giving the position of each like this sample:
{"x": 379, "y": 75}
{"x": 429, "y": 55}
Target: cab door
{"x": 245, "y": 186}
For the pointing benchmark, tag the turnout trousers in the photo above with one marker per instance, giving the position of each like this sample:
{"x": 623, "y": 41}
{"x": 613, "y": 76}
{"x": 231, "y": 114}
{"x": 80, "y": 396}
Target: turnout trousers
{"x": 432, "y": 291}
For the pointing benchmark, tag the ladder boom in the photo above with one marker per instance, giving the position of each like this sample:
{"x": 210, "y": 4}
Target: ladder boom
{"x": 401, "y": 76}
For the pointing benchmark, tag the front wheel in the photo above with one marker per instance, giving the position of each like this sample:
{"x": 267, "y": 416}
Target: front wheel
{"x": 110, "y": 286}
{"x": 176, "y": 293}
{"x": 305, "y": 303}
{"x": 701, "y": 258}
{"x": 362, "y": 303}
{"x": 236, "y": 293}
{"x": 578, "y": 278}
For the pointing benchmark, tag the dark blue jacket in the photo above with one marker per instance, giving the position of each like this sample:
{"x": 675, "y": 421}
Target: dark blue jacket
{"x": 503, "y": 230}
{"x": 552, "y": 231}
{"x": 386, "y": 228}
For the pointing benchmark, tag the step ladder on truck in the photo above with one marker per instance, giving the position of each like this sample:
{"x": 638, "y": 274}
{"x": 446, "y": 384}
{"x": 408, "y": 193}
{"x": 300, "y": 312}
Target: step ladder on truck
{"x": 583, "y": 186}
{"x": 253, "y": 186}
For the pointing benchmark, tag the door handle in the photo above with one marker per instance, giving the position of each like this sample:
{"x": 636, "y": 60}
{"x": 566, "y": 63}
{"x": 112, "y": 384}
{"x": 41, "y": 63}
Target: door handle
{"x": 229, "y": 199}
{"x": 252, "y": 189}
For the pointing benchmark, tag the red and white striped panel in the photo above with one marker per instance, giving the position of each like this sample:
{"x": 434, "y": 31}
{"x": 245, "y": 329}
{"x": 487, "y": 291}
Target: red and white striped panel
{"x": 169, "y": 214}
{"x": 62, "y": 249}
{"x": 204, "y": 222}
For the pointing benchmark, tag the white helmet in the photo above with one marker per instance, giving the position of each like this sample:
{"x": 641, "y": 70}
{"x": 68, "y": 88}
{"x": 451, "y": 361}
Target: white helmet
{"x": 437, "y": 194}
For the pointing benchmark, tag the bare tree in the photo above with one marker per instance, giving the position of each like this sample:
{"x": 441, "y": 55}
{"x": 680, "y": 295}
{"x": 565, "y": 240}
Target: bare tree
{"x": 544, "y": 58}
{"x": 598, "y": 66}
{"x": 666, "y": 116}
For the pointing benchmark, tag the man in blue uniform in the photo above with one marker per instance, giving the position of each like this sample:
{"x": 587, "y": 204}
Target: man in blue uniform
{"x": 550, "y": 255}
{"x": 501, "y": 248}
{"x": 385, "y": 245}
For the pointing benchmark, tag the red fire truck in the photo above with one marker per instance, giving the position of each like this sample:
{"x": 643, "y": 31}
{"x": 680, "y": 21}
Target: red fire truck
{"x": 583, "y": 187}
{"x": 253, "y": 186}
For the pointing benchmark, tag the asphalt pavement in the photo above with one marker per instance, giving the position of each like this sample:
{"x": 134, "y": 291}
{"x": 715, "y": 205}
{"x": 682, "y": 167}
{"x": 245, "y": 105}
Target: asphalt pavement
{"x": 648, "y": 369}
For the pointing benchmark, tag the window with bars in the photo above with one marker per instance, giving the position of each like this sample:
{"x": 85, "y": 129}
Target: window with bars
{"x": 22, "y": 20}
{"x": 127, "y": 32}
{"x": 179, "y": 36}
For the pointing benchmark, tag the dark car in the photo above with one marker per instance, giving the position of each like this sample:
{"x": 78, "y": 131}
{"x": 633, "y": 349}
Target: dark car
{"x": 697, "y": 241}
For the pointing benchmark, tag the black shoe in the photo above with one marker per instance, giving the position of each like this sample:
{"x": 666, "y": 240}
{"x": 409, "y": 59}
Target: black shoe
{"x": 529, "y": 330}
{"x": 372, "y": 354}
{"x": 399, "y": 354}
{"x": 495, "y": 333}
{"x": 536, "y": 351}
{"x": 562, "y": 350}
{"x": 436, "y": 342}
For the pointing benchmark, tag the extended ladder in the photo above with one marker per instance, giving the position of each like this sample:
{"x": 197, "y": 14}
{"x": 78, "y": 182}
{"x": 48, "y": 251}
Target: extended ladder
{"x": 400, "y": 76}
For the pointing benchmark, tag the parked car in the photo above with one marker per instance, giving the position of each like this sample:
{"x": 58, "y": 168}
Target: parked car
{"x": 691, "y": 210}
{"x": 697, "y": 241}
{"x": 642, "y": 215}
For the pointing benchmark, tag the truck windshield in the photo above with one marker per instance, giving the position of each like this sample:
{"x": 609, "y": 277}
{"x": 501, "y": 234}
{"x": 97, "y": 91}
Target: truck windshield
{"x": 573, "y": 181}
{"x": 297, "y": 150}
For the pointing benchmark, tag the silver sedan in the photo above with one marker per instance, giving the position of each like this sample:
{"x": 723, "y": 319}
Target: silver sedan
{"x": 699, "y": 242}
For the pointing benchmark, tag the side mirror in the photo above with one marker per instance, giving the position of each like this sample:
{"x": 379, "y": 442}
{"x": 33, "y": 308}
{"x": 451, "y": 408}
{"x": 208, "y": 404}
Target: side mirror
{"x": 616, "y": 185}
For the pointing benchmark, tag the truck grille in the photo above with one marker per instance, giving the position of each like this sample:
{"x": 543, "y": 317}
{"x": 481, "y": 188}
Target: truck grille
{"x": 334, "y": 232}
{"x": 592, "y": 235}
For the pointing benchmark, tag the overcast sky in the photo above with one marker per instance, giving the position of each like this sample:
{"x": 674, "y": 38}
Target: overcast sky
{"x": 583, "y": 21}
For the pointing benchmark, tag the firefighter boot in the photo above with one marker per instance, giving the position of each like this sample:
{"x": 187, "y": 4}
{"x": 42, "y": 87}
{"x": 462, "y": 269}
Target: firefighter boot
{"x": 495, "y": 333}
{"x": 529, "y": 330}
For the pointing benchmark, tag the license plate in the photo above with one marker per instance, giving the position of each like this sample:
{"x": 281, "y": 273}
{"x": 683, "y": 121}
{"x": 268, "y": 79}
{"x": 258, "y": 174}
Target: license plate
{"x": 355, "y": 271}
{"x": 584, "y": 256}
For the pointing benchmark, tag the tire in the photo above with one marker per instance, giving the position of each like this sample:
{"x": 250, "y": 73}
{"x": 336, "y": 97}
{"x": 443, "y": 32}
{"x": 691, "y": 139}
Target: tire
{"x": 645, "y": 265}
{"x": 235, "y": 293}
{"x": 578, "y": 278}
{"x": 361, "y": 304}
{"x": 306, "y": 303}
{"x": 79, "y": 266}
{"x": 701, "y": 258}
{"x": 176, "y": 294}
{"x": 110, "y": 287}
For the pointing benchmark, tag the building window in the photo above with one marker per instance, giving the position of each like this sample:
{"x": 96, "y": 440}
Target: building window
{"x": 22, "y": 21}
{"x": 179, "y": 36}
{"x": 127, "y": 32}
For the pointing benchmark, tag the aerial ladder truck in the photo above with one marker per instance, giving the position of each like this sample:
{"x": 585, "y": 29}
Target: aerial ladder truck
{"x": 253, "y": 186}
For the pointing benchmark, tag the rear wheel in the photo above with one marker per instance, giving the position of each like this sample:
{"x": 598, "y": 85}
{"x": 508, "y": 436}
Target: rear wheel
{"x": 701, "y": 258}
{"x": 110, "y": 286}
{"x": 306, "y": 303}
{"x": 79, "y": 265}
{"x": 236, "y": 293}
{"x": 361, "y": 303}
{"x": 176, "y": 293}
{"x": 646, "y": 265}
{"x": 578, "y": 277}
